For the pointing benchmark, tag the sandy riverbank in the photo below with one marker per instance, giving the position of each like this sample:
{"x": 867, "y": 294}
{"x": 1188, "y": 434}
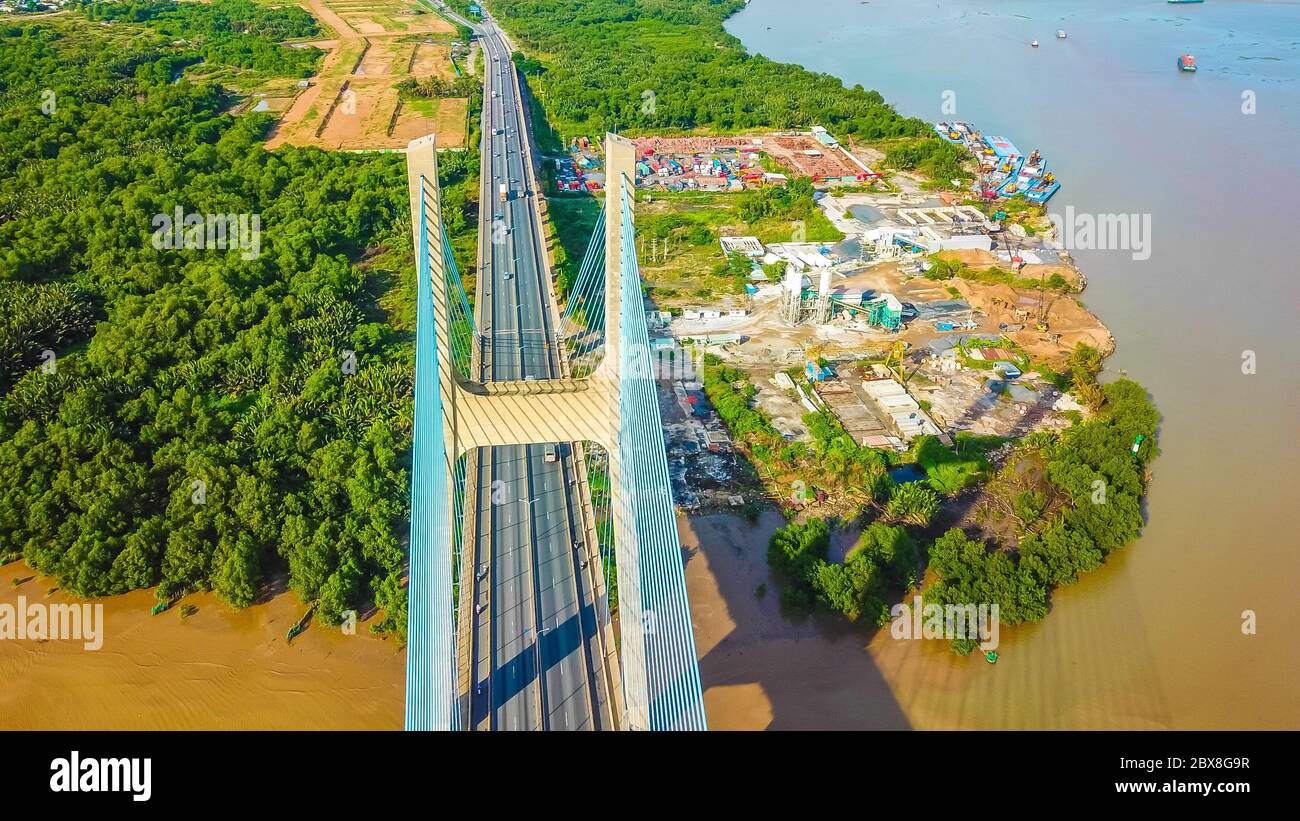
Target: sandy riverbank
{"x": 220, "y": 669}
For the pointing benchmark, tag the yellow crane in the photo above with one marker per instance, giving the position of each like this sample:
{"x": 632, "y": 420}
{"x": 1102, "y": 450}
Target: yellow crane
{"x": 895, "y": 361}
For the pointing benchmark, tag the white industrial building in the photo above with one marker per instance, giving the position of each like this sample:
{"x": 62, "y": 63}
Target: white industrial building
{"x": 749, "y": 246}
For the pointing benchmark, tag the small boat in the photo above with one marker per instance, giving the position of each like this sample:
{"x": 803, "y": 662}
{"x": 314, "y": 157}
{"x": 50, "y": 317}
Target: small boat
{"x": 1187, "y": 63}
{"x": 1034, "y": 44}
{"x": 991, "y": 657}
{"x": 301, "y": 625}
{"x": 1042, "y": 190}
{"x": 1060, "y": 34}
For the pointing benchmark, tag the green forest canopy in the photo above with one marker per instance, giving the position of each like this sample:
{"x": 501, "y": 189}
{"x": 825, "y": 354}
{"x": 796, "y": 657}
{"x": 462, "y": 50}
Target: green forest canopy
{"x": 198, "y": 429}
{"x": 600, "y": 57}
{"x": 238, "y": 33}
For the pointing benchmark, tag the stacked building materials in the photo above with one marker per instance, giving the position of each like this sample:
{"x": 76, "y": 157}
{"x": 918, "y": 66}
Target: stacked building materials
{"x": 905, "y": 412}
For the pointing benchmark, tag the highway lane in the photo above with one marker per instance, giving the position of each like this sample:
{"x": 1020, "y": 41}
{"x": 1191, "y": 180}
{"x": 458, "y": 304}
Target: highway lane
{"x": 515, "y": 698}
{"x": 517, "y": 689}
{"x": 482, "y": 656}
{"x": 566, "y": 686}
{"x": 534, "y": 666}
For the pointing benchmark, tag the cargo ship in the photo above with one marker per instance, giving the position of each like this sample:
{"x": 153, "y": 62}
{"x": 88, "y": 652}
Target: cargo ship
{"x": 1029, "y": 178}
{"x": 1004, "y": 171}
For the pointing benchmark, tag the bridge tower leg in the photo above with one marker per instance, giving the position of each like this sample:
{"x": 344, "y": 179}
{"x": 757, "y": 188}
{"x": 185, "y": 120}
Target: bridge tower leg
{"x": 430, "y": 657}
{"x": 661, "y": 682}
{"x": 620, "y": 171}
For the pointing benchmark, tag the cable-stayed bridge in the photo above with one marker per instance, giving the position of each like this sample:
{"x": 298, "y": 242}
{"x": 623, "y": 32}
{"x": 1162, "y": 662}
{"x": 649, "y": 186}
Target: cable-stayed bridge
{"x": 540, "y": 489}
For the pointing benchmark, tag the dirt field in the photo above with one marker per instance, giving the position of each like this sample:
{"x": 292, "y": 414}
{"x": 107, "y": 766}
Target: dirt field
{"x": 1069, "y": 322}
{"x": 828, "y": 162}
{"x": 352, "y": 104}
{"x": 448, "y": 117}
{"x": 431, "y": 59}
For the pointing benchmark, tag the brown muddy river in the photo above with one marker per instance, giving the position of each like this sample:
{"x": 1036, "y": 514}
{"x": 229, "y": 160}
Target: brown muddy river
{"x": 219, "y": 669}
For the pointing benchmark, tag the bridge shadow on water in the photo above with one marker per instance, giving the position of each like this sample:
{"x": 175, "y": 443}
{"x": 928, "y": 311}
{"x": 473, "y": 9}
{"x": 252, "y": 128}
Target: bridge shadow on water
{"x": 763, "y": 667}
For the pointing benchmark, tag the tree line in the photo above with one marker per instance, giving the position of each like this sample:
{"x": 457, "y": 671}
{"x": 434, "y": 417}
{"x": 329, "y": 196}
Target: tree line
{"x": 237, "y": 33}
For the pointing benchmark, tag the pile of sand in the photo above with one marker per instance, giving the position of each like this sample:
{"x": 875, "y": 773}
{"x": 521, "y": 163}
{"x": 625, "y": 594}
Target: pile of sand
{"x": 1069, "y": 323}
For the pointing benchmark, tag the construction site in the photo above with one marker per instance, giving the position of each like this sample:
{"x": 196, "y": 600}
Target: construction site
{"x": 720, "y": 164}
{"x": 857, "y": 328}
{"x": 901, "y": 312}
